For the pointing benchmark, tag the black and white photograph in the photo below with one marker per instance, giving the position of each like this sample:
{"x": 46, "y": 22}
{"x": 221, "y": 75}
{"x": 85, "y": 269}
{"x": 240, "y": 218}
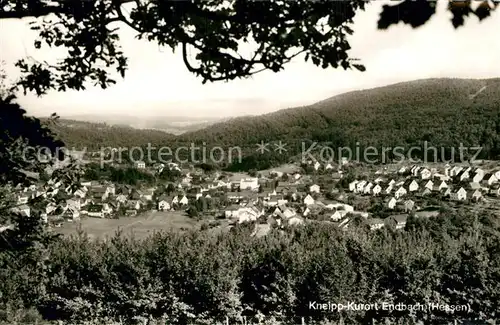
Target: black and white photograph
{"x": 238, "y": 162}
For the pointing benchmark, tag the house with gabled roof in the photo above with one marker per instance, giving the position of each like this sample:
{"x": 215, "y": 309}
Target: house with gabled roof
{"x": 409, "y": 205}
{"x": 398, "y": 220}
{"x": 400, "y": 192}
{"x": 184, "y": 200}
{"x": 463, "y": 175}
{"x": 425, "y": 191}
{"x": 377, "y": 189}
{"x": 163, "y": 203}
{"x": 490, "y": 179}
{"x": 338, "y": 215}
{"x": 474, "y": 186}
{"x": 425, "y": 174}
{"x": 391, "y": 203}
{"x": 368, "y": 188}
{"x": 459, "y": 195}
{"x": 360, "y": 186}
{"x": 475, "y": 195}
{"x": 478, "y": 175}
{"x": 308, "y": 200}
{"x": 429, "y": 185}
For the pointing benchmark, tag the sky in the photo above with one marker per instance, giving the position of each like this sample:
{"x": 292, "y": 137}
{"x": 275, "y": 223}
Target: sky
{"x": 158, "y": 84}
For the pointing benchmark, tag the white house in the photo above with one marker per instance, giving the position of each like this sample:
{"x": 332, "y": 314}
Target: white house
{"x": 22, "y": 199}
{"x": 376, "y": 189}
{"x": 317, "y": 165}
{"x": 490, "y": 179}
{"x": 478, "y": 175}
{"x": 314, "y": 188}
{"x": 360, "y": 186}
{"x": 412, "y": 186}
{"x": 339, "y": 214}
{"x": 308, "y": 200}
{"x": 249, "y": 184}
{"x": 391, "y": 204}
{"x": 352, "y": 186}
{"x": 476, "y": 195}
{"x": 184, "y": 200}
{"x": 140, "y": 164}
{"x": 443, "y": 185}
{"x": 425, "y": 174}
{"x": 400, "y": 192}
{"x": 375, "y": 223}
{"x": 429, "y": 185}
{"x": 163, "y": 205}
{"x": 464, "y": 175}
{"x": 460, "y": 195}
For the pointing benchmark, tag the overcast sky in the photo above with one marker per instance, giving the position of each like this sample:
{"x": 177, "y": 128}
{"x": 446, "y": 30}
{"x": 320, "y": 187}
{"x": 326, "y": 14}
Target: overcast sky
{"x": 157, "y": 83}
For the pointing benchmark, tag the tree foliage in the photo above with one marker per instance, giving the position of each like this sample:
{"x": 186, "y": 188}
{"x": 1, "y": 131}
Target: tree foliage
{"x": 210, "y": 34}
{"x": 202, "y": 278}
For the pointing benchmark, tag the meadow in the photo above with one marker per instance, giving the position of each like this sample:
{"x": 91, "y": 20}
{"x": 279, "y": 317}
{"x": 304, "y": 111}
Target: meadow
{"x": 139, "y": 226}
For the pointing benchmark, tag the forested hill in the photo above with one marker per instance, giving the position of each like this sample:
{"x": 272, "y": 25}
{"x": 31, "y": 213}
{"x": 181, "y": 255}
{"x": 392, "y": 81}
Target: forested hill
{"x": 93, "y": 136}
{"x": 441, "y": 111}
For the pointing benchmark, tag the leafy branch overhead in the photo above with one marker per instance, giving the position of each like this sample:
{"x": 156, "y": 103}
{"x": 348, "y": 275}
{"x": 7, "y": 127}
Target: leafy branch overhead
{"x": 214, "y": 35}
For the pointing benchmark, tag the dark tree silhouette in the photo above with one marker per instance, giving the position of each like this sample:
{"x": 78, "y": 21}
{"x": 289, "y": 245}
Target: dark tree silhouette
{"x": 211, "y": 33}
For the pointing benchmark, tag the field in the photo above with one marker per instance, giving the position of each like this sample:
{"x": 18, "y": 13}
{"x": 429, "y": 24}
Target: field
{"x": 286, "y": 168}
{"x": 140, "y": 226}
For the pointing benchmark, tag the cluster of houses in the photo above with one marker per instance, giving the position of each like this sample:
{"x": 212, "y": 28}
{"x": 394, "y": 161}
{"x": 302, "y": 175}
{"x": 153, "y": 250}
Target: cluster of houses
{"x": 456, "y": 184}
{"x": 276, "y": 199}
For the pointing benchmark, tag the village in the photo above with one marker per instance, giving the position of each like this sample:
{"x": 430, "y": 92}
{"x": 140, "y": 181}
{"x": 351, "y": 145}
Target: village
{"x": 280, "y": 197}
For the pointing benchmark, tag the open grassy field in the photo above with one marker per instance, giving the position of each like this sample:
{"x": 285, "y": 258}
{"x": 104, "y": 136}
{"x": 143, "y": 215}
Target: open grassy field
{"x": 140, "y": 226}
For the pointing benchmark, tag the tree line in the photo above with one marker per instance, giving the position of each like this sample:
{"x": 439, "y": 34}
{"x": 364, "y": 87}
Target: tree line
{"x": 202, "y": 278}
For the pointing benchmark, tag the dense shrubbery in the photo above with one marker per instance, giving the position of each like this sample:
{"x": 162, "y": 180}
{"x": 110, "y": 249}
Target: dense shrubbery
{"x": 199, "y": 277}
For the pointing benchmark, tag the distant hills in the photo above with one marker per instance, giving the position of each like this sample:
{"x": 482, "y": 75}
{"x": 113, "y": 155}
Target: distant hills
{"x": 444, "y": 112}
{"x": 169, "y": 124}
{"x": 93, "y": 136}
{"x": 438, "y": 110}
